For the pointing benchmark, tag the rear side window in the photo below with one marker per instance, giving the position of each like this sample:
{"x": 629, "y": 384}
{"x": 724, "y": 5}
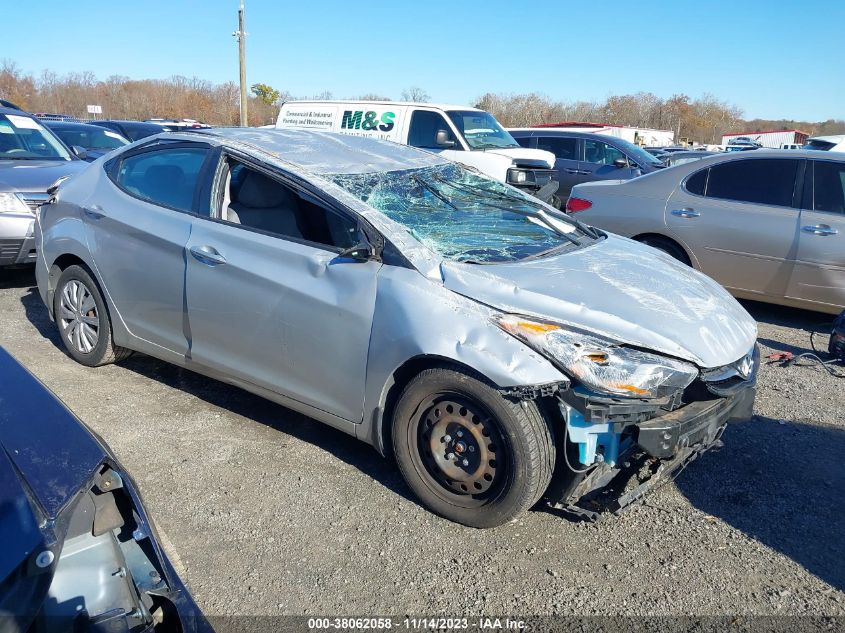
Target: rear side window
{"x": 762, "y": 181}
{"x": 167, "y": 177}
{"x": 697, "y": 182}
{"x": 829, "y": 186}
{"x": 565, "y": 148}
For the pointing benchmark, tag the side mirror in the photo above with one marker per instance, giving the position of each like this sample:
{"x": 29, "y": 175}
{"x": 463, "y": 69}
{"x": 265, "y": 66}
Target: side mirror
{"x": 621, "y": 163}
{"x": 361, "y": 252}
{"x": 441, "y": 139}
{"x": 80, "y": 152}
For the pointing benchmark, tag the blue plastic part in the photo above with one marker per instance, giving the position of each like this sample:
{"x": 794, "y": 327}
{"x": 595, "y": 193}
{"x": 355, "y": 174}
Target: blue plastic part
{"x": 589, "y": 437}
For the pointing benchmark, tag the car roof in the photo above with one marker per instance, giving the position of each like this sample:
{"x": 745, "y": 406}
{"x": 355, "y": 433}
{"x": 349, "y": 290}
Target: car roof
{"x": 16, "y": 112}
{"x": 322, "y": 152}
{"x": 68, "y": 125}
{"x": 415, "y": 104}
{"x": 548, "y": 132}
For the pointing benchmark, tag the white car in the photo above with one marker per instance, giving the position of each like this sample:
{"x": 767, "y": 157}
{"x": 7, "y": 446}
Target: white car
{"x": 835, "y": 143}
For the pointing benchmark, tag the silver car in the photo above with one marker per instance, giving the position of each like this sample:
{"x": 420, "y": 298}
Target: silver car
{"x": 768, "y": 225}
{"x": 31, "y": 160}
{"x": 500, "y": 351}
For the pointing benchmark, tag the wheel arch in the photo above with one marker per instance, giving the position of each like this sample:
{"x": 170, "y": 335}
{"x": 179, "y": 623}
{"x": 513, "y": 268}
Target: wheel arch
{"x": 662, "y": 236}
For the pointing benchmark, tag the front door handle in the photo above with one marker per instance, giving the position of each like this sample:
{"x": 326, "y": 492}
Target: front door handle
{"x": 572, "y": 171}
{"x": 820, "y": 229}
{"x": 208, "y": 255}
{"x": 686, "y": 212}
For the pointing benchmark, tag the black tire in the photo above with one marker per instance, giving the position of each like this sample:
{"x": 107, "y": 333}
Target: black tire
{"x": 73, "y": 335}
{"x": 668, "y": 246}
{"x": 508, "y": 448}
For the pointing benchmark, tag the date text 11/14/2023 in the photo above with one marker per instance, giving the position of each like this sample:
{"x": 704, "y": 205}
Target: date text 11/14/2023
{"x": 415, "y": 624}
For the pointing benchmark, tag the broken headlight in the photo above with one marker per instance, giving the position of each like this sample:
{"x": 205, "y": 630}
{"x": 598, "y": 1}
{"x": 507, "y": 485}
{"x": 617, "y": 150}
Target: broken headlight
{"x": 599, "y": 363}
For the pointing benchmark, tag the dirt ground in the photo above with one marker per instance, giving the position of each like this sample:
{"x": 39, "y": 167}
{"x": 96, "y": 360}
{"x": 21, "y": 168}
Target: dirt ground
{"x": 270, "y": 512}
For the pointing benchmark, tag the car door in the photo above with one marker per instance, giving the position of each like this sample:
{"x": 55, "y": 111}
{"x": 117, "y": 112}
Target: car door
{"x": 820, "y": 265}
{"x": 567, "y": 165}
{"x": 738, "y": 219}
{"x": 269, "y": 299}
{"x": 137, "y": 224}
{"x": 599, "y": 162}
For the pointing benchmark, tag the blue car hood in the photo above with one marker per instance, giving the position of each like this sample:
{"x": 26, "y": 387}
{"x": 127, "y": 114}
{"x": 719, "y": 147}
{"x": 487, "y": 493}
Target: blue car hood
{"x": 621, "y": 289}
{"x": 51, "y": 452}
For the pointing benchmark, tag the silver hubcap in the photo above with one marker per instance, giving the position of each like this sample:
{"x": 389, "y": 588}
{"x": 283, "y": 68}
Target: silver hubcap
{"x": 78, "y": 317}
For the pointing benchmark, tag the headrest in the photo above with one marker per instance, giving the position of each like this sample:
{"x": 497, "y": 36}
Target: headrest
{"x": 260, "y": 192}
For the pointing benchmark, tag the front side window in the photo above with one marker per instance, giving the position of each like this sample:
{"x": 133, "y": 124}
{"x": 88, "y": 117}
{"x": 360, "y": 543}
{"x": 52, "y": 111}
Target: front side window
{"x": 829, "y": 186}
{"x": 697, "y": 182}
{"x": 464, "y": 216}
{"x": 762, "y": 181}
{"x": 524, "y": 141}
{"x": 561, "y": 147}
{"x": 255, "y": 200}
{"x": 167, "y": 177}
{"x": 481, "y": 130}
{"x": 24, "y": 138}
{"x": 601, "y": 153}
{"x": 424, "y": 127}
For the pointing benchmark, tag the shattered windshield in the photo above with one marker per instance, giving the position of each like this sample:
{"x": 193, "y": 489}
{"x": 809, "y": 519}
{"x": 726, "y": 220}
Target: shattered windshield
{"x": 465, "y": 216}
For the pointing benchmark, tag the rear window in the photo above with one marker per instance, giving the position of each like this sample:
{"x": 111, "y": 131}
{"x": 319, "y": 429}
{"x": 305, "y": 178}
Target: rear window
{"x": 762, "y": 181}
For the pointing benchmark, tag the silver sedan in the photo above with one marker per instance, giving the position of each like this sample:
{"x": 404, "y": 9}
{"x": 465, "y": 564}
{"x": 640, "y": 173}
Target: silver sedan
{"x": 768, "y": 225}
{"x": 500, "y": 351}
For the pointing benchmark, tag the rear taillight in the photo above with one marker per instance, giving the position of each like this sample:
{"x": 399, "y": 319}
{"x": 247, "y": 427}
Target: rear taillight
{"x": 573, "y": 205}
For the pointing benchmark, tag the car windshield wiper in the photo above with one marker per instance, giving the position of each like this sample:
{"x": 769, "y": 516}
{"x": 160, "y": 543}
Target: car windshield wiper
{"x": 422, "y": 183}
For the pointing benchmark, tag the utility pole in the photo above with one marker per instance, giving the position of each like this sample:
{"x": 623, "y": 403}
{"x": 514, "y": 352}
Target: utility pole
{"x": 240, "y": 35}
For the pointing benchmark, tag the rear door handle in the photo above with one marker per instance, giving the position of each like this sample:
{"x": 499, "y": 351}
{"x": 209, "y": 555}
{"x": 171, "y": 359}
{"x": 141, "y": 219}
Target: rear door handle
{"x": 686, "y": 212}
{"x": 820, "y": 229}
{"x": 207, "y": 255}
{"x": 93, "y": 213}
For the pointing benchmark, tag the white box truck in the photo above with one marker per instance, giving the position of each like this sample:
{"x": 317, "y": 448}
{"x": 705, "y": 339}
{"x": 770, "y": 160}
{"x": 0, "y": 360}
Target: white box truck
{"x": 469, "y": 136}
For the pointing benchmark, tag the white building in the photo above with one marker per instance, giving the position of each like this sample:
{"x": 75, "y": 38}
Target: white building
{"x": 772, "y": 138}
{"x": 644, "y": 136}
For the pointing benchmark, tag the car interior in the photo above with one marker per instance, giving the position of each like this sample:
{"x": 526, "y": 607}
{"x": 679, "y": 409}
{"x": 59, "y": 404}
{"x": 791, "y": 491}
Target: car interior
{"x": 252, "y": 199}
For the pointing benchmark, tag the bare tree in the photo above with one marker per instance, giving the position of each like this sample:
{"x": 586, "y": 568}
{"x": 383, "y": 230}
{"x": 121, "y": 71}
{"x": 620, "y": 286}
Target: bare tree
{"x": 415, "y": 94}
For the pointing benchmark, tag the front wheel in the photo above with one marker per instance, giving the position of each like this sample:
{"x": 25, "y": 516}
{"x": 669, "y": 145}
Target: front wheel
{"x": 83, "y": 319}
{"x": 468, "y": 453}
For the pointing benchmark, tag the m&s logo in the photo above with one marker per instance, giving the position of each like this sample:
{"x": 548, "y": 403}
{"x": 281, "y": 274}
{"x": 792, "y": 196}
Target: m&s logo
{"x": 367, "y": 120}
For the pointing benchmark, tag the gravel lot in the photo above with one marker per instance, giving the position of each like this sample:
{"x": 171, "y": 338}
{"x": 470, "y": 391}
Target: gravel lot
{"x": 273, "y": 513}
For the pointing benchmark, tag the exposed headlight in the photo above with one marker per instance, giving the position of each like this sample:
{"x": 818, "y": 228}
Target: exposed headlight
{"x": 520, "y": 176}
{"x": 599, "y": 363}
{"x": 10, "y": 203}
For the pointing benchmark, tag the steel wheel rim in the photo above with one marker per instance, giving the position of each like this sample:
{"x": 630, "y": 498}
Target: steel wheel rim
{"x": 78, "y": 316}
{"x": 460, "y": 447}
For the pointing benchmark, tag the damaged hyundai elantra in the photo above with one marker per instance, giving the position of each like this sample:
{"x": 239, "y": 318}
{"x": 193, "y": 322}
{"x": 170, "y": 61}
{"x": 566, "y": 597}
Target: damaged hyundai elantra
{"x": 503, "y": 353}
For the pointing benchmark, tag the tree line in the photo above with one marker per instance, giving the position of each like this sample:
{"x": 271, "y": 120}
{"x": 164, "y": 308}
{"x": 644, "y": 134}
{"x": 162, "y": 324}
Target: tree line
{"x": 702, "y": 119}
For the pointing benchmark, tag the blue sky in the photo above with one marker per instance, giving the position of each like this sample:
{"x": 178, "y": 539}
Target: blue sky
{"x": 774, "y": 59}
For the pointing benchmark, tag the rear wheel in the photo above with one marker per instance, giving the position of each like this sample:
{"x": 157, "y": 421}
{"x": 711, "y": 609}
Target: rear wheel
{"x": 668, "y": 246}
{"x": 468, "y": 453}
{"x": 83, "y": 319}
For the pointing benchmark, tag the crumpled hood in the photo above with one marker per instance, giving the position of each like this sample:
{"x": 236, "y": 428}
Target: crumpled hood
{"x": 518, "y": 154}
{"x": 620, "y": 289}
{"x": 35, "y": 175}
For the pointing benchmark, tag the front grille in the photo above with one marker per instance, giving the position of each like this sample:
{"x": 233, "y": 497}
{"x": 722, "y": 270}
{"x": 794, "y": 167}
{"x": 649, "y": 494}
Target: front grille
{"x": 34, "y": 199}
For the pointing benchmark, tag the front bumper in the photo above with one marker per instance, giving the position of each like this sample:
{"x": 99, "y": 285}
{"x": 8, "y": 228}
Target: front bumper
{"x": 650, "y": 453}
{"x": 17, "y": 242}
